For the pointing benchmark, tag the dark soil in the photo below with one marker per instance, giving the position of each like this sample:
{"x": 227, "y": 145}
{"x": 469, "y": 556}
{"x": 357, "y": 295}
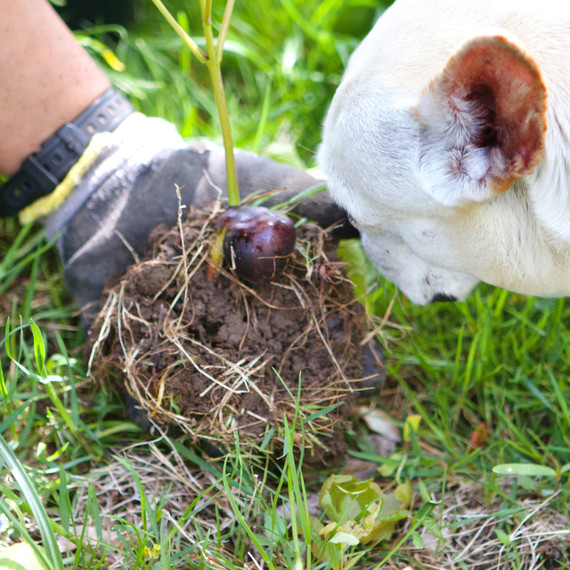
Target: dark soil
{"x": 204, "y": 351}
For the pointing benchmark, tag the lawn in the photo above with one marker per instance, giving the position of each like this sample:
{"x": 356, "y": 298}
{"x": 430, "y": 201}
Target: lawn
{"x": 472, "y": 425}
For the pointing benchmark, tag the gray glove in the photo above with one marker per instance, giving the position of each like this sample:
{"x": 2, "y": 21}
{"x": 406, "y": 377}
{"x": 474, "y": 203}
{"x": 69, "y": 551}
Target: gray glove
{"x": 130, "y": 188}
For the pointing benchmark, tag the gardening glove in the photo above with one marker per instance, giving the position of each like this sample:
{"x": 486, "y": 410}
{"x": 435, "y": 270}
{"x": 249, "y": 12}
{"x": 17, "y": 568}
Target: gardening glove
{"x": 125, "y": 184}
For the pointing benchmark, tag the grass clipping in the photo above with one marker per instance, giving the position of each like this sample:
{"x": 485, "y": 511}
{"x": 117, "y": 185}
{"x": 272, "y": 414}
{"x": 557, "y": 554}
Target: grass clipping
{"x": 223, "y": 360}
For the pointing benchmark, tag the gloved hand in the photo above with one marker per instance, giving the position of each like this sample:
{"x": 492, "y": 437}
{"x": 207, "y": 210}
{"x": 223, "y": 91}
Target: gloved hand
{"x": 130, "y": 188}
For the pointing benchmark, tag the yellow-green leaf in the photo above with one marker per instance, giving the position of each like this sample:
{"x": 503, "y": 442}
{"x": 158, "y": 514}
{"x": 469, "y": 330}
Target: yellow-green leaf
{"x": 344, "y": 538}
{"x": 412, "y": 424}
{"x": 20, "y": 556}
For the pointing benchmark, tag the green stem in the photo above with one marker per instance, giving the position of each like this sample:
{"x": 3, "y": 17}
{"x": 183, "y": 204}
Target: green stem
{"x": 213, "y": 59}
{"x": 213, "y": 64}
{"x": 224, "y": 29}
{"x": 190, "y": 43}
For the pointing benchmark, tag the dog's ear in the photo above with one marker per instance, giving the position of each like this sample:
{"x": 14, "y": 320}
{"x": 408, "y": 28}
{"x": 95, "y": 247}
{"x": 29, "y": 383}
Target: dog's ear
{"x": 483, "y": 120}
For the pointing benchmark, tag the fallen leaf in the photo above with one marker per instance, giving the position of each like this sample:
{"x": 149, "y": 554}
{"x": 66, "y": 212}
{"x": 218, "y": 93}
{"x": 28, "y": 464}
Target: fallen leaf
{"x": 380, "y": 422}
{"x": 478, "y": 436}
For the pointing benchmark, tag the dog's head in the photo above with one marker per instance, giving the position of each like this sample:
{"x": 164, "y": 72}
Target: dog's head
{"x": 429, "y": 151}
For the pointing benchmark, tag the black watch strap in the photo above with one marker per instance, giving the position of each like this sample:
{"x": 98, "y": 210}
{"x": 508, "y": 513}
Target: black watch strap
{"x": 43, "y": 170}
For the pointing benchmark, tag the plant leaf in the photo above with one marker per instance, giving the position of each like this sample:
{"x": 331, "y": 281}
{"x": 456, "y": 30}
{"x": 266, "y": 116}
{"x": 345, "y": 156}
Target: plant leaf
{"x": 524, "y": 469}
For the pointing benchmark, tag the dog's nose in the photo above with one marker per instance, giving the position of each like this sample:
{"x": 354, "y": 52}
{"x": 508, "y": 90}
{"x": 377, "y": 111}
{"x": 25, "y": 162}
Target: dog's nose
{"x": 443, "y": 298}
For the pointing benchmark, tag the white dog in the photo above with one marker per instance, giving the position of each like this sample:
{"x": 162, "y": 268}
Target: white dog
{"x": 448, "y": 143}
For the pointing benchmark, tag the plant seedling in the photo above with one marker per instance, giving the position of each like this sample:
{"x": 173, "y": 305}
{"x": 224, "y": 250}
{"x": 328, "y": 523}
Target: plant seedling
{"x": 254, "y": 241}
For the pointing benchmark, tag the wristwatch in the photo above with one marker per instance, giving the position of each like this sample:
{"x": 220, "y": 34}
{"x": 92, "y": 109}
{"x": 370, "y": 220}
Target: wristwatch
{"x": 43, "y": 170}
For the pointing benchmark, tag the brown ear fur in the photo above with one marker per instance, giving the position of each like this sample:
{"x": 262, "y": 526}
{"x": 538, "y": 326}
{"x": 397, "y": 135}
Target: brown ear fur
{"x": 511, "y": 98}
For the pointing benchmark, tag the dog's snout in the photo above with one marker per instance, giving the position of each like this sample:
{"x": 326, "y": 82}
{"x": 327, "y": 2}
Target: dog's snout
{"x": 443, "y": 298}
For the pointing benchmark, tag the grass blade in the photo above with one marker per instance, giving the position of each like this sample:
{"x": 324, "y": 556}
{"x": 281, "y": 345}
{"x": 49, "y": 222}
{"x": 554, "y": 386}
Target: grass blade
{"x": 36, "y": 506}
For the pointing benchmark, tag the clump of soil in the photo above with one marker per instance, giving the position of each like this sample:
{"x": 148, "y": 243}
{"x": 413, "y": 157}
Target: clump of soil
{"x": 203, "y": 351}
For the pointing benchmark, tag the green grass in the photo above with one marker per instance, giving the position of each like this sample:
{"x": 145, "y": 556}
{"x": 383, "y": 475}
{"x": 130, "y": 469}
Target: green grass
{"x": 76, "y": 467}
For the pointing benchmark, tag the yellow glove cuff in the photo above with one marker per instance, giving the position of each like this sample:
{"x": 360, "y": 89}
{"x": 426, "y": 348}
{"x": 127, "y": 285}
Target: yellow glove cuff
{"x": 51, "y": 202}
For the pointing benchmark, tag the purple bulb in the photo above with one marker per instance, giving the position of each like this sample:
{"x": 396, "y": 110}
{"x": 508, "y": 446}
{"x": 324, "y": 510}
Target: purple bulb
{"x": 258, "y": 242}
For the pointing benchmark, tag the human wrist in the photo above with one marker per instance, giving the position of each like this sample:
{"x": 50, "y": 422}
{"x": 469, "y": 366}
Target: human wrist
{"x": 42, "y": 171}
